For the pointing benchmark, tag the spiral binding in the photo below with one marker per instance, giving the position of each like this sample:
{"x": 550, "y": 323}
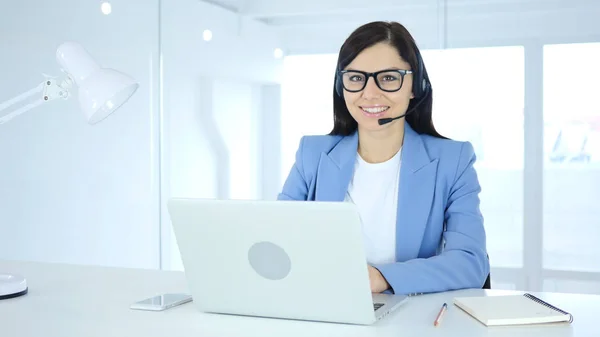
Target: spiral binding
{"x": 548, "y": 305}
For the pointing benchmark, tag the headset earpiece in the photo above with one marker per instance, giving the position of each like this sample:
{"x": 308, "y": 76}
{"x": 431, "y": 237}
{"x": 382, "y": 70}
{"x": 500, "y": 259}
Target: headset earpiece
{"x": 338, "y": 86}
{"x": 421, "y": 83}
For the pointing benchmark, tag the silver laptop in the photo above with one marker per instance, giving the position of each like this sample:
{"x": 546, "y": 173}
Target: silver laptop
{"x": 281, "y": 259}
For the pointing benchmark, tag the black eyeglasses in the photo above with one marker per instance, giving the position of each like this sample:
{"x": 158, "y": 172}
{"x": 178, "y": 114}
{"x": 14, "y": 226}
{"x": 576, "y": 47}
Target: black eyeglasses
{"x": 389, "y": 80}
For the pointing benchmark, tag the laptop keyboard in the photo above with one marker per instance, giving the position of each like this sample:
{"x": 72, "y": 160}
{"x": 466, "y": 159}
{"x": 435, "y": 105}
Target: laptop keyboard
{"x": 377, "y": 306}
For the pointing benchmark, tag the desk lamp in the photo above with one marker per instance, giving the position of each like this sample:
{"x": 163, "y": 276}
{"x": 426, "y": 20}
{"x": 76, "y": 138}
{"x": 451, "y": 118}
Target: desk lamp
{"x": 101, "y": 91}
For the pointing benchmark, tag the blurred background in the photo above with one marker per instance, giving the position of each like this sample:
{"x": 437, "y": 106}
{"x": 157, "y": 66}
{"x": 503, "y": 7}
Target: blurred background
{"x": 228, "y": 87}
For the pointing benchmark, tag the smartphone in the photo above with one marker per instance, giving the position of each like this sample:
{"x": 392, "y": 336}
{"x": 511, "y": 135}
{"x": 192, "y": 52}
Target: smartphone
{"x": 161, "y": 302}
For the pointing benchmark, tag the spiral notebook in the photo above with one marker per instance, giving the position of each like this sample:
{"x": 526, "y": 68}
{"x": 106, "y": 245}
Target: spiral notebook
{"x": 512, "y": 310}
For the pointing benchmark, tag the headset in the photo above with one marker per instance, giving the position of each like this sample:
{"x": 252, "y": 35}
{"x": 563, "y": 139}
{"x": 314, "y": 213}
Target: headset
{"x": 421, "y": 84}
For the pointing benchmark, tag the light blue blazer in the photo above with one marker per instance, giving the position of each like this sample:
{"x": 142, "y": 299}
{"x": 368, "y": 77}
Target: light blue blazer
{"x": 441, "y": 241}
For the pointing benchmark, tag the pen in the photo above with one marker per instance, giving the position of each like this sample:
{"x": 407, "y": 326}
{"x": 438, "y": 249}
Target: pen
{"x": 438, "y": 319}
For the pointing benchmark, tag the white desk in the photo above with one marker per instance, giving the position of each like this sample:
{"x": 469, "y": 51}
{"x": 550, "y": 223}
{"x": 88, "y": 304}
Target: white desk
{"x": 78, "y": 301}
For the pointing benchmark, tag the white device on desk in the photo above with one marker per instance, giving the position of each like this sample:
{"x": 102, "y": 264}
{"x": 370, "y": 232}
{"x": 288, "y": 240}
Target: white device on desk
{"x": 284, "y": 259}
{"x": 162, "y": 302}
{"x": 12, "y": 286}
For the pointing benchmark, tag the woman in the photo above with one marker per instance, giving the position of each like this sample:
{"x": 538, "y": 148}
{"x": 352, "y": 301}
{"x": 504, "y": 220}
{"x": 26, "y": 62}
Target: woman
{"x": 417, "y": 192}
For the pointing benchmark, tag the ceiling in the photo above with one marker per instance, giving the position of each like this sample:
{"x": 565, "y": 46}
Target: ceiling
{"x": 293, "y": 12}
{"x": 320, "y": 26}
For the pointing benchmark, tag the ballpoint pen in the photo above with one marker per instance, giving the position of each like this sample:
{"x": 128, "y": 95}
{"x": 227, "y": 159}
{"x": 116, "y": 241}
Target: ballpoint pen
{"x": 438, "y": 319}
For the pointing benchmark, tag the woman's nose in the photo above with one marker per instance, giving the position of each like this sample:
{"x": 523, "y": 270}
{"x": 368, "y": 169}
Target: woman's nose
{"x": 371, "y": 90}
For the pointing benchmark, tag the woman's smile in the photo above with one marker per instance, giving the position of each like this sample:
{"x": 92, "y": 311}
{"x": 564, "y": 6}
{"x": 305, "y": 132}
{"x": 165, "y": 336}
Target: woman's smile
{"x": 374, "y": 110}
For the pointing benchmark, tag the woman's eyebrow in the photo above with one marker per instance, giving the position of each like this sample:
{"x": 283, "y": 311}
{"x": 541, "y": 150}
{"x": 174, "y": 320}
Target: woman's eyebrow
{"x": 387, "y": 68}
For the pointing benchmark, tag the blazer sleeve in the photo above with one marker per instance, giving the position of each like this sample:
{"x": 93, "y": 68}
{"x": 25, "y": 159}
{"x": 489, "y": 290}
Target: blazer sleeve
{"x": 463, "y": 262}
{"x": 296, "y": 186}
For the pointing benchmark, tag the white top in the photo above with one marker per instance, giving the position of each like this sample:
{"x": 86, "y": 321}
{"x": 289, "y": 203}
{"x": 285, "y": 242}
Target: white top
{"x": 77, "y": 301}
{"x": 374, "y": 191}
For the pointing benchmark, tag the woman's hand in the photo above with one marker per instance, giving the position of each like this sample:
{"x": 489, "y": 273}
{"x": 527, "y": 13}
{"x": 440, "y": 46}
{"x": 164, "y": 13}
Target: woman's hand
{"x": 378, "y": 282}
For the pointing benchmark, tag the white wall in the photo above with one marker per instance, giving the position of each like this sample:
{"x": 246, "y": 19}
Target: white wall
{"x": 216, "y": 103}
{"x": 271, "y": 133}
{"x": 74, "y": 193}
{"x": 71, "y": 192}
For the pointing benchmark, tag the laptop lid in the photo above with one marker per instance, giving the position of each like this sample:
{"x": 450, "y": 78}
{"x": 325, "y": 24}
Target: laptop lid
{"x": 287, "y": 259}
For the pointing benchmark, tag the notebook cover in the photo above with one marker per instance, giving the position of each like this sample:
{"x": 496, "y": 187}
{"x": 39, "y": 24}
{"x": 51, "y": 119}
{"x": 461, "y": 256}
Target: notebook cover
{"x": 511, "y": 310}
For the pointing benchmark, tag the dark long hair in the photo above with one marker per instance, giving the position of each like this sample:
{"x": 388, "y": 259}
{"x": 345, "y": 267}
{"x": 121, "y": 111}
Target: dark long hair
{"x": 398, "y": 37}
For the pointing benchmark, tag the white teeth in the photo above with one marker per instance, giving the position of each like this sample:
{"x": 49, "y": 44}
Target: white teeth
{"x": 375, "y": 110}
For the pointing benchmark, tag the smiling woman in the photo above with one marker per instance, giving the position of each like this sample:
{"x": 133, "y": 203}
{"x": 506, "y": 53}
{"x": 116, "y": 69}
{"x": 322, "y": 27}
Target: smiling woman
{"x": 388, "y": 54}
{"x": 385, "y": 96}
{"x": 417, "y": 192}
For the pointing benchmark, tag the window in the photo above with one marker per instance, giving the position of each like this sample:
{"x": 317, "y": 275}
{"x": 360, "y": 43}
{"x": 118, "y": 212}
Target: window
{"x": 478, "y": 97}
{"x": 306, "y": 102}
{"x": 572, "y": 157}
{"x": 572, "y": 286}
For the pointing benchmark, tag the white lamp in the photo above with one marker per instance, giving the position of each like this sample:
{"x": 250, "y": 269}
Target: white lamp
{"x": 101, "y": 92}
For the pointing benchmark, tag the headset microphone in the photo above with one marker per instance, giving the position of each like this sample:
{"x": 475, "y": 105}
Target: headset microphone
{"x": 383, "y": 121}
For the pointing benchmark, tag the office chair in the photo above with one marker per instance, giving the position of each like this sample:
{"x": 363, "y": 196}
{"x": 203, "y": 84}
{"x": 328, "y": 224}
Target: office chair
{"x": 488, "y": 281}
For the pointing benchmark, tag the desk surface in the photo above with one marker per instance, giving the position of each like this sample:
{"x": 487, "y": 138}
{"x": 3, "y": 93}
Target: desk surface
{"x": 69, "y": 301}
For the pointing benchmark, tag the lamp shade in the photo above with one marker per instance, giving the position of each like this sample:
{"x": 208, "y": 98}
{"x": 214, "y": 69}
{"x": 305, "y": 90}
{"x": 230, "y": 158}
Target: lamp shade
{"x": 101, "y": 90}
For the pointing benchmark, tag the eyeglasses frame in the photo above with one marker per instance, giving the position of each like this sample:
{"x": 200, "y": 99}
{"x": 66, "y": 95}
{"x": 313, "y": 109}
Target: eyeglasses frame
{"x": 402, "y": 73}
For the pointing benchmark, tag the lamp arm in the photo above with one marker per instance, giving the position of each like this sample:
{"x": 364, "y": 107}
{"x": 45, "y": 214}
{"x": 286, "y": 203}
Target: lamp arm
{"x": 50, "y": 89}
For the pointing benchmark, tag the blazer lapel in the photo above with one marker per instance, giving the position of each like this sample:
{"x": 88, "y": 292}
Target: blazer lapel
{"x": 336, "y": 169}
{"x": 417, "y": 184}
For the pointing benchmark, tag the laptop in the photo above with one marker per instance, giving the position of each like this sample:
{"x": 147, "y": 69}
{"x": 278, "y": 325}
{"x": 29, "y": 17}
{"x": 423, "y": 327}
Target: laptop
{"x": 278, "y": 259}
